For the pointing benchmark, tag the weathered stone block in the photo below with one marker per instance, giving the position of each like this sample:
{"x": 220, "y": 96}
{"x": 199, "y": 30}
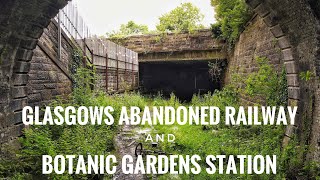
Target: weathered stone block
{"x": 284, "y": 42}
{"x": 43, "y": 75}
{"x": 293, "y": 80}
{"x": 24, "y": 54}
{"x": 18, "y": 104}
{"x": 287, "y": 55}
{"x": 294, "y": 93}
{"x": 262, "y": 10}
{"x": 253, "y": 3}
{"x": 50, "y": 86}
{"x": 270, "y": 19}
{"x": 19, "y": 92}
{"x": 291, "y": 67}
{"x": 46, "y": 95}
{"x": 32, "y": 98}
{"x": 20, "y": 79}
{"x": 277, "y": 31}
{"x": 29, "y": 43}
{"x": 17, "y": 118}
{"x": 34, "y": 32}
{"x": 21, "y": 67}
{"x": 291, "y": 131}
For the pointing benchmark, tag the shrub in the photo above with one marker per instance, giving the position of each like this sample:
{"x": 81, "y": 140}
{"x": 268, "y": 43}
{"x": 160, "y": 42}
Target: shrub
{"x": 232, "y": 16}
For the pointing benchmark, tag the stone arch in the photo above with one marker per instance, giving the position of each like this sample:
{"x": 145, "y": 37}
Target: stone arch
{"x": 296, "y": 27}
{"x": 270, "y": 19}
{"x": 22, "y": 24}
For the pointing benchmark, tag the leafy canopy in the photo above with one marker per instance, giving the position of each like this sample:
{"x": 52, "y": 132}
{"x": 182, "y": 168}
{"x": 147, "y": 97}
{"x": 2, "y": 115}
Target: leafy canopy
{"x": 131, "y": 28}
{"x": 232, "y": 16}
{"x": 185, "y": 17}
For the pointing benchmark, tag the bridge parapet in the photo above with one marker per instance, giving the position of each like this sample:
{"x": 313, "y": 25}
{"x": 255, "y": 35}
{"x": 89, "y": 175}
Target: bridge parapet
{"x": 199, "y": 45}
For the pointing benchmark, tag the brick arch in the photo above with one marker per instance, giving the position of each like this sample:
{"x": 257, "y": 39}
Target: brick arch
{"x": 21, "y": 25}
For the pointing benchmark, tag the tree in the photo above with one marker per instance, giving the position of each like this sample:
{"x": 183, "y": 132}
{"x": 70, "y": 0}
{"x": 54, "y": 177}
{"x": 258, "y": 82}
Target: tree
{"x": 185, "y": 17}
{"x": 131, "y": 28}
{"x": 232, "y": 15}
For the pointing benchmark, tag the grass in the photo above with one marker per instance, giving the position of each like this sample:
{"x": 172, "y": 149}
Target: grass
{"x": 220, "y": 139}
{"x": 201, "y": 140}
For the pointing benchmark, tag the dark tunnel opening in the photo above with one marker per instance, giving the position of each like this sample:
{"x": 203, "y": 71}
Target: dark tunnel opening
{"x": 183, "y": 78}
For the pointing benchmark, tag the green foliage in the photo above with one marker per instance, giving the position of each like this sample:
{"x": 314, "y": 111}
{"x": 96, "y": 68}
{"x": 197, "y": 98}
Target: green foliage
{"x": 185, "y": 17}
{"x": 232, "y": 15}
{"x": 267, "y": 84}
{"x": 84, "y": 81}
{"x": 306, "y": 76}
{"x": 131, "y": 28}
{"x": 25, "y": 163}
{"x": 216, "y": 31}
{"x": 222, "y": 139}
{"x": 201, "y": 140}
{"x": 77, "y": 57}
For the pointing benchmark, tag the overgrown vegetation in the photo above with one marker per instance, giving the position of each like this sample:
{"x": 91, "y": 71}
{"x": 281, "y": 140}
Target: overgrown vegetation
{"x": 232, "y": 16}
{"x": 25, "y": 163}
{"x": 201, "y": 140}
{"x": 253, "y": 140}
{"x": 215, "y": 70}
{"x": 131, "y": 28}
{"x": 267, "y": 85}
{"x": 186, "y": 17}
{"x": 53, "y": 140}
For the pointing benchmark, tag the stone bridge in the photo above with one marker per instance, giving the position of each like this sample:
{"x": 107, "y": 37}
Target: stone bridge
{"x": 198, "y": 45}
{"x": 287, "y": 32}
{"x": 178, "y": 62}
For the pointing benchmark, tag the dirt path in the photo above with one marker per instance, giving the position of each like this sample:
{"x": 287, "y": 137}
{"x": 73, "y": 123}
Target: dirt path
{"x": 126, "y": 141}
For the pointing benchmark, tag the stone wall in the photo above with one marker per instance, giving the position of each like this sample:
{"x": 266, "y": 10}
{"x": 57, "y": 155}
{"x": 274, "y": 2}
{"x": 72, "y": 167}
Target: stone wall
{"x": 21, "y": 25}
{"x": 295, "y": 30}
{"x": 42, "y": 80}
{"x": 198, "y": 45}
{"x": 49, "y": 76}
{"x": 255, "y": 41}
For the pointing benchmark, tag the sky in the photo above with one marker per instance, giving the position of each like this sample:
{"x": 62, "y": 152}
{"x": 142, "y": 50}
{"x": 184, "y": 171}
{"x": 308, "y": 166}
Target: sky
{"x": 104, "y": 16}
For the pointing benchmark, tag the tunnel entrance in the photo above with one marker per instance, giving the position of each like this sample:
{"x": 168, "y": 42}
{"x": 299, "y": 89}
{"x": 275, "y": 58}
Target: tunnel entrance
{"x": 183, "y": 78}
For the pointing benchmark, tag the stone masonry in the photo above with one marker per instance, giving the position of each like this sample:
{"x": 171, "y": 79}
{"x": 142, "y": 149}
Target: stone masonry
{"x": 46, "y": 79}
{"x": 198, "y": 45}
